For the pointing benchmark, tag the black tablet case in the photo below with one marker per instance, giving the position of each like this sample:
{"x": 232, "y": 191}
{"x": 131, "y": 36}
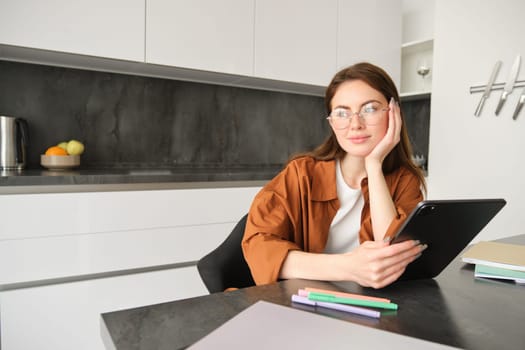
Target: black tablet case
{"x": 447, "y": 227}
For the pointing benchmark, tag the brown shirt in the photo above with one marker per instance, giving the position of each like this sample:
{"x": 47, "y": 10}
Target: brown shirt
{"x": 295, "y": 209}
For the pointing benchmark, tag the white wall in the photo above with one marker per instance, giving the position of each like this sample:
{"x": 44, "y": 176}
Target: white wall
{"x": 418, "y": 20}
{"x": 474, "y": 157}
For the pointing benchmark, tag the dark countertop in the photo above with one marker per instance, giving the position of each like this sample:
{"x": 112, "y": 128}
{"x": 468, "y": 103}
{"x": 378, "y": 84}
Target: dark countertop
{"x": 42, "y": 180}
{"x": 455, "y": 309}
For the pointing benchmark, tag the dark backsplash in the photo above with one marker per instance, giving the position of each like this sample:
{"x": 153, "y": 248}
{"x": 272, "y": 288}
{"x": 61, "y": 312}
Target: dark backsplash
{"x": 130, "y": 121}
{"x": 417, "y": 118}
{"x": 134, "y": 121}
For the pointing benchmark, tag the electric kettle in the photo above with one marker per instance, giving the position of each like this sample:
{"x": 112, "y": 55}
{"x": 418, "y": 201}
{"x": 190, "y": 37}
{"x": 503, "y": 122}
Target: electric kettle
{"x": 13, "y": 142}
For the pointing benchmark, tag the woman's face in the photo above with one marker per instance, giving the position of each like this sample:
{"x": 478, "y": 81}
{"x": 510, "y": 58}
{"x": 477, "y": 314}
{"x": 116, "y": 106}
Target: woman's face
{"x": 360, "y": 137}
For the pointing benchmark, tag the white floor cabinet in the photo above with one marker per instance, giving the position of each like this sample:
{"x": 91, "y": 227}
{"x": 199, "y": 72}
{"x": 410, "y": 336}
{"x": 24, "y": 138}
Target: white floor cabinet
{"x": 65, "y": 258}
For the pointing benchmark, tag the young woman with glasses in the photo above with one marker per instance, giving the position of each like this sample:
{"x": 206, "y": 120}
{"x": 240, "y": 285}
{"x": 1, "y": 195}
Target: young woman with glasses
{"x": 330, "y": 214}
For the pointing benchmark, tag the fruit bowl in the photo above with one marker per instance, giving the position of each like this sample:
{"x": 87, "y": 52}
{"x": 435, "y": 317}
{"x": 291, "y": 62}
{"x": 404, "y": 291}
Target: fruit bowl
{"x": 59, "y": 162}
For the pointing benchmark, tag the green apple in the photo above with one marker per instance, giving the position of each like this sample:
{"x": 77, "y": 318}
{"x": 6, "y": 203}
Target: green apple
{"x": 75, "y": 148}
{"x": 63, "y": 145}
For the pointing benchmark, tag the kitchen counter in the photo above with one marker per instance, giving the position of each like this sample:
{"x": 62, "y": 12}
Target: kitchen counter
{"x": 44, "y": 181}
{"x": 454, "y": 309}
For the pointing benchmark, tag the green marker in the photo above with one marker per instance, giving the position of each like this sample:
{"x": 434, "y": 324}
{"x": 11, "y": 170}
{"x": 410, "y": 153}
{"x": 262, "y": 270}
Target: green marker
{"x": 359, "y": 302}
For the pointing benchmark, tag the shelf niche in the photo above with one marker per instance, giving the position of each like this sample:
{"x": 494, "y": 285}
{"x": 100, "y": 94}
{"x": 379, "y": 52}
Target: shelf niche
{"x": 413, "y": 55}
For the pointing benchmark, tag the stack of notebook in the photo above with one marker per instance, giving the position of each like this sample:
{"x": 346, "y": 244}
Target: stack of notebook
{"x": 497, "y": 260}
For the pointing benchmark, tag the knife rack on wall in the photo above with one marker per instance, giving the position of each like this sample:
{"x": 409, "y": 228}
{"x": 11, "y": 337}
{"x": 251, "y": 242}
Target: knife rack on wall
{"x": 508, "y": 87}
{"x": 496, "y": 86}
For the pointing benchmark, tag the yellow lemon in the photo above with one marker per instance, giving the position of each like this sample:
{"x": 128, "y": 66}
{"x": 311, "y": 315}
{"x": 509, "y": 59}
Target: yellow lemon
{"x": 75, "y": 147}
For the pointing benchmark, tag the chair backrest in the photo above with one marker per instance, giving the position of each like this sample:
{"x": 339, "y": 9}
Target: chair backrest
{"x": 225, "y": 267}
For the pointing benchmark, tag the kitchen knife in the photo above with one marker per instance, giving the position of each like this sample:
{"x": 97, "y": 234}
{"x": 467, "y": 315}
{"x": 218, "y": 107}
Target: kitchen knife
{"x": 488, "y": 88}
{"x": 510, "y": 83}
{"x": 519, "y": 105}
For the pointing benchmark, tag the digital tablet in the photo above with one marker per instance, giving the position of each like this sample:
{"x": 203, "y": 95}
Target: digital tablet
{"x": 447, "y": 227}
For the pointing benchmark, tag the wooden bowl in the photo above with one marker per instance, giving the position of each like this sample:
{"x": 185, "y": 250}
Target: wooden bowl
{"x": 59, "y": 162}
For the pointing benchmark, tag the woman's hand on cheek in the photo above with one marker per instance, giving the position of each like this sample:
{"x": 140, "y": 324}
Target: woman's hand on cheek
{"x": 392, "y": 135}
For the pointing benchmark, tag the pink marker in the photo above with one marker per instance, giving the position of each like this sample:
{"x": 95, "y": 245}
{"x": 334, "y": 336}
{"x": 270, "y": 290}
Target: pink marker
{"x": 304, "y": 293}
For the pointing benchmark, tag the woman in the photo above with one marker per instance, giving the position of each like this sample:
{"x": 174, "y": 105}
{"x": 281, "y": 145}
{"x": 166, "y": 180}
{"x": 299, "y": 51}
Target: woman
{"x": 330, "y": 214}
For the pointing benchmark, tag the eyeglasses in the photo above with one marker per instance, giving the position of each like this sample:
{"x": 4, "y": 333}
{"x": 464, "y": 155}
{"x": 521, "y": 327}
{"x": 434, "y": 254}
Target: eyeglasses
{"x": 370, "y": 114}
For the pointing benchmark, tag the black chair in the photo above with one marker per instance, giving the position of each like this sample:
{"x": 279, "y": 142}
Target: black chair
{"x": 225, "y": 267}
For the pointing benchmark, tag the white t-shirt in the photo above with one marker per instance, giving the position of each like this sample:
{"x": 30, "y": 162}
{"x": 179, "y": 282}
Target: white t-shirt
{"x": 344, "y": 229}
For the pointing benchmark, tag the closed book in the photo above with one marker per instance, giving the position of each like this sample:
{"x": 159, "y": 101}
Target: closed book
{"x": 499, "y": 273}
{"x": 496, "y": 254}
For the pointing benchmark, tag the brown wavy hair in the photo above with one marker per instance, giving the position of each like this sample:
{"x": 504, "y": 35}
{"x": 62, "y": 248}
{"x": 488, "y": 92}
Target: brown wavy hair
{"x": 377, "y": 78}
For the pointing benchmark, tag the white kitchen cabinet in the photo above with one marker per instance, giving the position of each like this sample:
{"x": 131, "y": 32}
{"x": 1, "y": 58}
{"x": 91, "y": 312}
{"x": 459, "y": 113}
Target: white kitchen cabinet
{"x": 206, "y": 35}
{"x": 67, "y": 257}
{"x": 91, "y": 253}
{"x": 370, "y": 31}
{"x": 62, "y": 235}
{"x": 283, "y": 45}
{"x": 104, "y": 28}
{"x": 66, "y": 316}
{"x": 295, "y": 40}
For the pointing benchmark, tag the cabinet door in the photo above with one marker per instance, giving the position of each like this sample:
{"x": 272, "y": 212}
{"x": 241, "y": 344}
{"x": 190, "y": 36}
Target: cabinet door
{"x": 370, "y": 31}
{"x": 104, "y": 28}
{"x": 66, "y": 316}
{"x": 295, "y": 40}
{"x": 203, "y": 34}
{"x": 102, "y": 232}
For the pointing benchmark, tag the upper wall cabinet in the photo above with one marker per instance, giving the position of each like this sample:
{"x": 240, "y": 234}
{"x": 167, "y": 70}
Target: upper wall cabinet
{"x": 370, "y": 31}
{"x": 295, "y": 40}
{"x": 206, "y": 35}
{"x": 285, "y": 45}
{"x": 104, "y": 28}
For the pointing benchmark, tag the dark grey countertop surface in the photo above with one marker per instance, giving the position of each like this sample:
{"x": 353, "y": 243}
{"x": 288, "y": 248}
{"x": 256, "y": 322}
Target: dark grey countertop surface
{"x": 454, "y": 309}
{"x": 13, "y": 180}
